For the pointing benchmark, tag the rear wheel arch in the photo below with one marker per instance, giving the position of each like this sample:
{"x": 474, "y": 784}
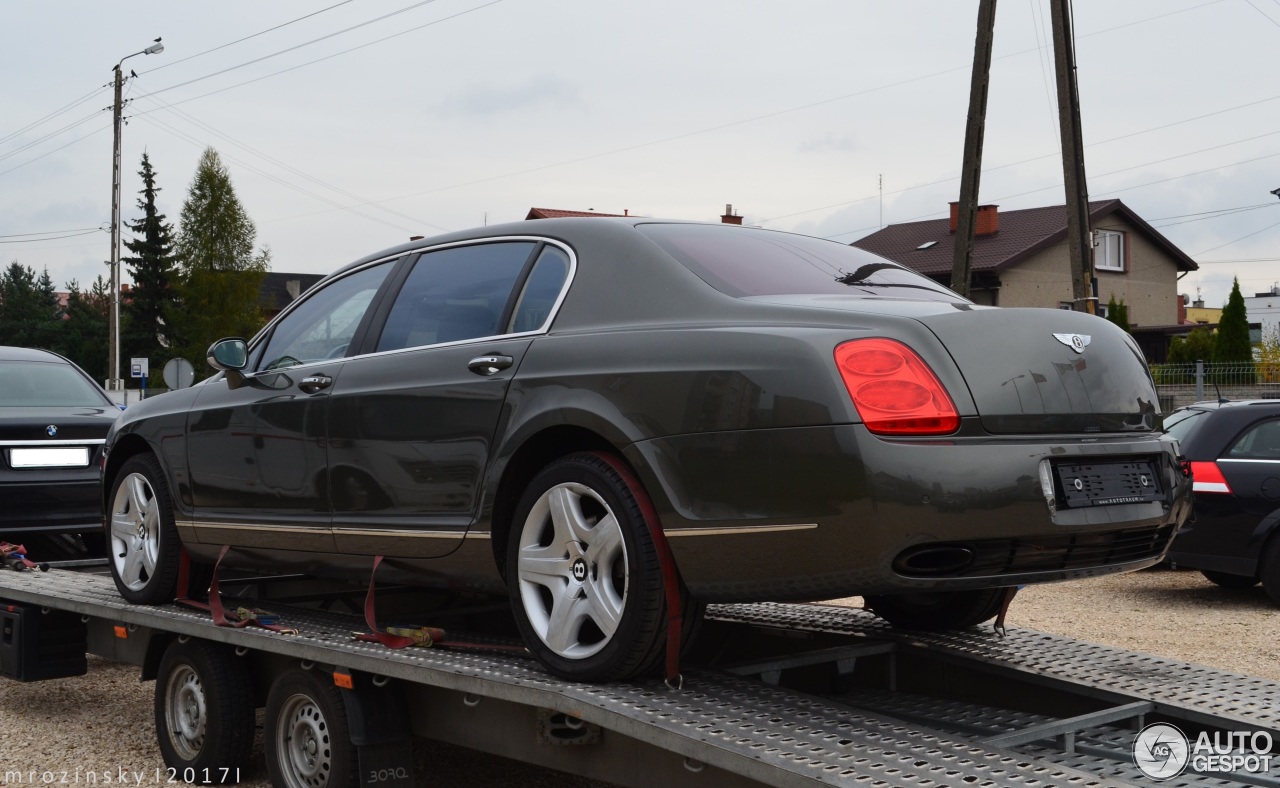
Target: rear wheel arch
{"x": 536, "y": 453}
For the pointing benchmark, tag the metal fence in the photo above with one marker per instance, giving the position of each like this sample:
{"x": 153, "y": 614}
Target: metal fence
{"x": 1183, "y": 384}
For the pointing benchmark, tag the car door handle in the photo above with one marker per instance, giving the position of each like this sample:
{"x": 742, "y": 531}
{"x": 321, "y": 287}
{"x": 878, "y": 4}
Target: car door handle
{"x": 489, "y": 365}
{"x": 314, "y": 383}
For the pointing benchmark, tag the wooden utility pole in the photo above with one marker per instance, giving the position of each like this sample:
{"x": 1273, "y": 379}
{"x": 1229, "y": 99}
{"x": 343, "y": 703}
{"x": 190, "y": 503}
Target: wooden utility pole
{"x": 971, "y": 174}
{"x": 1079, "y": 239}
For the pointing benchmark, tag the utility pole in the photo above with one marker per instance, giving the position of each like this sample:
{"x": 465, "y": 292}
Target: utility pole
{"x": 114, "y": 381}
{"x": 1079, "y": 239}
{"x": 971, "y": 175}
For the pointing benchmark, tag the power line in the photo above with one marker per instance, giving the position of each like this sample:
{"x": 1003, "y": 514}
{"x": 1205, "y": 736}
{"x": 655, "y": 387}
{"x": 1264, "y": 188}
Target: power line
{"x": 192, "y": 140}
{"x": 222, "y": 135}
{"x": 55, "y": 150}
{"x": 326, "y": 57}
{"x": 1241, "y": 238}
{"x": 49, "y": 232}
{"x": 55, "y": 238}
{"x": 295, "y": 47}
{"x": 246, "y": 38}
{"x": 53, "y": 114}
{"x": 51, "y": 134}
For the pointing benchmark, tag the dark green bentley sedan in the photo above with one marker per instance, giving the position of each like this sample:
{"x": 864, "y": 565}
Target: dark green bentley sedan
{"x": 610, "y": 418}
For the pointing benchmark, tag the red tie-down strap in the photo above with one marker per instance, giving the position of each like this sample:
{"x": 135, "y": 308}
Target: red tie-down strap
{"x": 667, "y": 563}
{"x": 214, "y": 606}
{"x": 417, "y": 635}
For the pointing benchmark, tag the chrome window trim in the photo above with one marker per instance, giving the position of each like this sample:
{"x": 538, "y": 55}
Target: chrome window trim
{"x": 92, "y": 442}
{"x": 551, "y": 315}
{"x": 740, "y": 530}
{"x": 1245, "y": 459}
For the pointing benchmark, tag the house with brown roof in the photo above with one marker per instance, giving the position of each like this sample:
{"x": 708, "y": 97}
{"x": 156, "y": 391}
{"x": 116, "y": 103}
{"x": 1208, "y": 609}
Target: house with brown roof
{"x": 1020, "y": 259}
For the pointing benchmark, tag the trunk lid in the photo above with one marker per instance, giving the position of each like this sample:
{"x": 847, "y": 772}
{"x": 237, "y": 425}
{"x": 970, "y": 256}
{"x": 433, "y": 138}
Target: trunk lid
{"x": 1048, "y": 370}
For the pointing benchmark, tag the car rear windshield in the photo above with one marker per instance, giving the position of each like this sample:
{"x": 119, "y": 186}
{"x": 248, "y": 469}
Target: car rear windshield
{"x": 1181, "y": 423}
{"x": 742, "y": 262}
{"x": 38, "y": 384}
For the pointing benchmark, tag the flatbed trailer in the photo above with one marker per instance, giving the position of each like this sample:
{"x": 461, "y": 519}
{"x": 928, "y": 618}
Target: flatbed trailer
{"x": 774, "y": 694}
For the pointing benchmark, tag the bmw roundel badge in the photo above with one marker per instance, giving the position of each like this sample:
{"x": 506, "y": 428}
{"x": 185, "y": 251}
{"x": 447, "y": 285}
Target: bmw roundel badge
{"x": 51, "y": 430}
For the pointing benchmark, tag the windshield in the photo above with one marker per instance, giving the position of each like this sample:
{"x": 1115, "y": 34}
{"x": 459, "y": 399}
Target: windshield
{"x": 742, "y": 262}
{"x": 31, "y": 384}
{"x": 1181, "y": 423}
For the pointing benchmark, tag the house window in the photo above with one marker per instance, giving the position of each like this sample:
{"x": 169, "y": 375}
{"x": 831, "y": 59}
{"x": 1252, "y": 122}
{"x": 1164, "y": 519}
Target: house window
{"x": 1108, "y": 250}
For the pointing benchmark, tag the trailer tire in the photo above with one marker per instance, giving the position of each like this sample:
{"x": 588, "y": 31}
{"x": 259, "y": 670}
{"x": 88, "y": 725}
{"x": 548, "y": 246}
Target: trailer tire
{"x": 204, "y": 712}
{"x": 142, "y": 540}
{"x": 583, "y": 574}
{"x": 932, "y": 611}
{"x": 1269, "y": 568}
{"x": 307, "y": 741}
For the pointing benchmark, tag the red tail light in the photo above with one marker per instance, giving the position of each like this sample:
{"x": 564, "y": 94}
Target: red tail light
{"x": 894, "y": 391}
{"x": 1207, "y": 478}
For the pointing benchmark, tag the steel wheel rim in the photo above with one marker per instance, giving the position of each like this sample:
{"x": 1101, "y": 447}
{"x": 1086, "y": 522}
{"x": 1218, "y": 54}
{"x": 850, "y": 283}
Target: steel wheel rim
{"x": 572, "y": 570}
{"x": 185, "y": 713}
{"x": 135, "y": 532}
{"x": 303, "y": 748}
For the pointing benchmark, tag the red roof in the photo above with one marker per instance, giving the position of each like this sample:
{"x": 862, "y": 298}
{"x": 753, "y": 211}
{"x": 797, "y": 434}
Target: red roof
{"x": 556, "y": 213}
{"x": 1021, "y": 234}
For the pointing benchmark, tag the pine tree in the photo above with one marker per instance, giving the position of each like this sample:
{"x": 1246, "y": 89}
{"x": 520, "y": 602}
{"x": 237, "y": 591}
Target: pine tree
{"x": 1233, "y": 330}
{"x": 221, "y": 275}
{"x": 28, "y": 308}
{"x": 85, "y": 328}
{"x": 151, "y": 313}
{"x": 1118, "y": 313}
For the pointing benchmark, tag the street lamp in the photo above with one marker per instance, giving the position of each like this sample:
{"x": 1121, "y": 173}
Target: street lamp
{"x": 114, "y": 382}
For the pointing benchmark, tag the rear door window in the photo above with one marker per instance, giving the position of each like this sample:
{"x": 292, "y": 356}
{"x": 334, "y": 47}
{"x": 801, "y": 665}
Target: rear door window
{"x": 1259, "y": 442}
{"x": 455, "y": 294}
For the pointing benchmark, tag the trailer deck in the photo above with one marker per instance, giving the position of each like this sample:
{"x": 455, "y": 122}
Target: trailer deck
{"x": 779, "y": 694}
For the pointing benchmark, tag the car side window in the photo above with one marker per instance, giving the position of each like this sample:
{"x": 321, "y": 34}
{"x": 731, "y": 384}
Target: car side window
{"x": 541, "y": 290}
{"x": 1260, "y": 442}
{"x": 455, "y": 294}
{"x": 322, "y": 326}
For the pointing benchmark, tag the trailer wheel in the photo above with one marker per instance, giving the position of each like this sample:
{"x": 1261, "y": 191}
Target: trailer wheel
{"x": 204, "y": 712}
{"x": 143, "y": 541}
{"x": 937, "y": 610}
{"x": 1269, "y": 568}
{"x": 307, "y": 742}
{"x": 583, "y": 574}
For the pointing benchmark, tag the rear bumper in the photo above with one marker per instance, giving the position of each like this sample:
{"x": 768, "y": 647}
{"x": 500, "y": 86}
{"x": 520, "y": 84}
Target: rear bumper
{"x": 826, "y": 512}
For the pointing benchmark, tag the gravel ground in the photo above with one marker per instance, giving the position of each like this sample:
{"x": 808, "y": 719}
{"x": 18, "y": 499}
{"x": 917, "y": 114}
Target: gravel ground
{"x": 102, "y": 723}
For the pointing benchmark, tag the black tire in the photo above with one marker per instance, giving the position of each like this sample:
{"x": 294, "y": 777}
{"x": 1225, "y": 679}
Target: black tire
{"x": 142, "y": 543}
{"x": 204, "y": 712}
{"x": 306, "y": 739}
{"x": 607, "y": 583}
{"x": 1269, "y": 568}
{"x": 936, "y": 611}
{"x": 1229, "y": 581}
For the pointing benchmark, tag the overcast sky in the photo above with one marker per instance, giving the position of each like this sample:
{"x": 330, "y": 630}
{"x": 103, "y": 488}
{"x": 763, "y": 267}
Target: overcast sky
{"x": 449, "y": 114}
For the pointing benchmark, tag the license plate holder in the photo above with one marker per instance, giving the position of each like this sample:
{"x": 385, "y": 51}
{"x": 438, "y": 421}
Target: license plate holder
{"x": 1108, "y": 482}
{"x": 49, "y": 457}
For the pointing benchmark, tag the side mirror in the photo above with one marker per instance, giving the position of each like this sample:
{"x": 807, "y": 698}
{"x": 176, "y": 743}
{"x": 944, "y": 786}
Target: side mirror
{"x": 228, "y": 354}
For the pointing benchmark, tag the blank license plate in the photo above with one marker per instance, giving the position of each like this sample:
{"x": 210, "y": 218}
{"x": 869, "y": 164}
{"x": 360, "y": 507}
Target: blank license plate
{"x": 1108, "y": 483}
{"x": 59, "y": 457}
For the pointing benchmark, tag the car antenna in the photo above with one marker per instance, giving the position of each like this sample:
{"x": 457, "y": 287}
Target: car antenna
{"x": 1221, "y": 399}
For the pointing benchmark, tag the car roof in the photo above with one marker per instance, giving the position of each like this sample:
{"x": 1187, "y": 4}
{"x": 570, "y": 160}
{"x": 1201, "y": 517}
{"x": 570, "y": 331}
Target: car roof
{"x": 1231, "y": 403}
{"x": 11, "y": 353}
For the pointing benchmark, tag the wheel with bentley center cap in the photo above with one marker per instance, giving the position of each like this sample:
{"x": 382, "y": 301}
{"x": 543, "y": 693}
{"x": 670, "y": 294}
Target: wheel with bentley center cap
{"x": 142, "y": 541}
{"x": 584, "y": 577}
